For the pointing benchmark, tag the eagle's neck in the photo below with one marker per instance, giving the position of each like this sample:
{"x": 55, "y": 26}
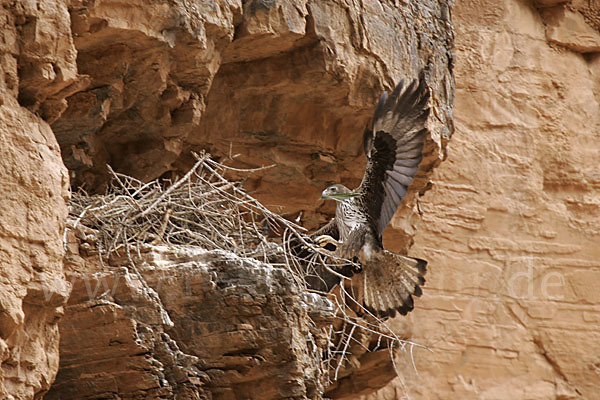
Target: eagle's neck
{"x": 349, "y": 217}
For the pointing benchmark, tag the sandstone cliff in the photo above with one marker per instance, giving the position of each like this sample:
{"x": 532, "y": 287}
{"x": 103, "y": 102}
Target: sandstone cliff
{"x": 510, "y": 224}
{"x": 138, "y": 85}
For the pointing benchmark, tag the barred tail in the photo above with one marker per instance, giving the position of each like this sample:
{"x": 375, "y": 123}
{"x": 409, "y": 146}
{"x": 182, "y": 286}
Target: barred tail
{"x": 390, "y": 281}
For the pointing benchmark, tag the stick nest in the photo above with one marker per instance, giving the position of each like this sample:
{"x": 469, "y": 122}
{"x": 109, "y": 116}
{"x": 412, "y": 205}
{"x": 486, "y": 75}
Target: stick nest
{"x": 202, "y": 209}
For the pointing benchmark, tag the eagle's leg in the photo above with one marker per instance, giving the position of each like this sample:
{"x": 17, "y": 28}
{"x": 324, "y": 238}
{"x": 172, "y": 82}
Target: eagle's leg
{"x": 324, "y": 240}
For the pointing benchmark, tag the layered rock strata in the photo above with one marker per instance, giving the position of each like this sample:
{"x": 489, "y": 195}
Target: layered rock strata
{"x": 511, "y": 225}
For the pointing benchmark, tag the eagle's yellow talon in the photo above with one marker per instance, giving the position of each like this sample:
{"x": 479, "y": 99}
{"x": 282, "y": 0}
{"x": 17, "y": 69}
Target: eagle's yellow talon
{"x": 324, "y": 240}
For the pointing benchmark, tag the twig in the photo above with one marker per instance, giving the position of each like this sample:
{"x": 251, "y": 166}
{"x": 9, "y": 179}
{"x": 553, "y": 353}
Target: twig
{"x": 172, "y": 188}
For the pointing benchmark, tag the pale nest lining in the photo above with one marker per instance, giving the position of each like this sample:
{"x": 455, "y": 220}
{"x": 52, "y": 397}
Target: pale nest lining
{"x": 205, "y": 209}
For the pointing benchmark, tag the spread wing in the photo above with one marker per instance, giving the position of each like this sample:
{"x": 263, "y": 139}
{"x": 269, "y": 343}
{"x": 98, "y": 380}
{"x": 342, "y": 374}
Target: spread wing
{"x": 394, "y": 150}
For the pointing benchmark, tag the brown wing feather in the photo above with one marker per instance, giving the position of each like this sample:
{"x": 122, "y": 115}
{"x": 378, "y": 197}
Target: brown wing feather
{"x": 394, "y": 150}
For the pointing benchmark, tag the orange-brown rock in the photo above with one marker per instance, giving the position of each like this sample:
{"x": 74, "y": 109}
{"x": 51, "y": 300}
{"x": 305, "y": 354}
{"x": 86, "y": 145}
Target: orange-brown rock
{"x": 36, "y": 69}
{"x": 33, "y": 188}
{"x": 569, "y": 28}
{"x": 286, "y": 83}
{"x": 130, "y": 83}
{"x": 511, "y": 226}
{"x": 188, "y": 323}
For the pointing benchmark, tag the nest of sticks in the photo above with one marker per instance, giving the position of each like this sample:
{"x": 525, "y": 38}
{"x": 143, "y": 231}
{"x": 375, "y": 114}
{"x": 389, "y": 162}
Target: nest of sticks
{"x": 205, "y": 209}
{"x": 202, "y": 209}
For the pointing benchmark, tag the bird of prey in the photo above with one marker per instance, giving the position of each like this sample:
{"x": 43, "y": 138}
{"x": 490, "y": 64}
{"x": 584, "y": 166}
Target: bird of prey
{"x": 393, "y": 148}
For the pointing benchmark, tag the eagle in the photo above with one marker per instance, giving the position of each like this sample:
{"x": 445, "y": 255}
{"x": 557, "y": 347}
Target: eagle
{"x": 393, "y": 147}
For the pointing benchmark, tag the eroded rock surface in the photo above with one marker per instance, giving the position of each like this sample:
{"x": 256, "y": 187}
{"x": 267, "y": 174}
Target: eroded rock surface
{"x": 511, "y": 226}
{"x": 286, "y": 83}
{"x": 188, "y": 323}
{"x": 140, "y": 84}
{"x": 33, "y": 190}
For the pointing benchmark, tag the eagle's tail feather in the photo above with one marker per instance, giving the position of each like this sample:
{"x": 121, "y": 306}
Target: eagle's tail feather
{"x": 390, "y": 281}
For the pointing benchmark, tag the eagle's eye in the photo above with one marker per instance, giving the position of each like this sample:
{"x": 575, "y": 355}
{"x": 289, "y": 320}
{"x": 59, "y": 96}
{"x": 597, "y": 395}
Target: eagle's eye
{"x": 333, "y": 189}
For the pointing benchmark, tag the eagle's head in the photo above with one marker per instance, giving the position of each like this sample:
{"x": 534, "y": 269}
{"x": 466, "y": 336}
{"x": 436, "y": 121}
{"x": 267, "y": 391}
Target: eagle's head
{"x": 337, "y": 192}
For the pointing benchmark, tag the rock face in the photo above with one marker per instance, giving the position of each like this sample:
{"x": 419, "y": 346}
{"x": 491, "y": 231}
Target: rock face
{"x": 286, "y": 83}
{"x": 33, "y": 190}
{"x": 511, "y": 225}
{"x": 140, "y": 84}
{"x": 32, "y": 287}
{"x": 188, "y": 323}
